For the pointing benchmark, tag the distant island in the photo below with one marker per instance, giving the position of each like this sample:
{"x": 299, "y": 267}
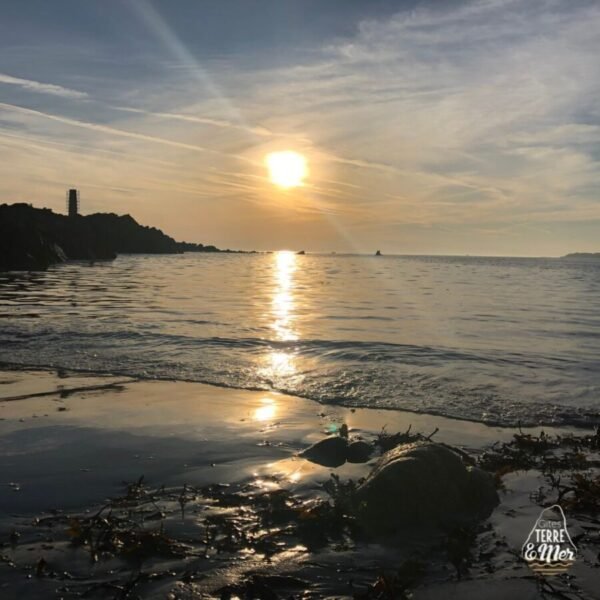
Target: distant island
{"x": 32, "y": 239}
{"x": 582, "y": 256}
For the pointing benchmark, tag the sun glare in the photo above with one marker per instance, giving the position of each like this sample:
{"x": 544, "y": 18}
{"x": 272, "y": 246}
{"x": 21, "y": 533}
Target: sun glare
{"x": 266, "y": 411}
{"x": 286, "y": 169}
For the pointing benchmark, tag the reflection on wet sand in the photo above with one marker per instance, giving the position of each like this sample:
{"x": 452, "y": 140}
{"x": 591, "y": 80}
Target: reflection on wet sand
{"x": 267, "y": 411}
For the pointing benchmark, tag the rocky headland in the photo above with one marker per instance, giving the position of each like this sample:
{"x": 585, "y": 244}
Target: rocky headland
{"x": 35, "y": 238}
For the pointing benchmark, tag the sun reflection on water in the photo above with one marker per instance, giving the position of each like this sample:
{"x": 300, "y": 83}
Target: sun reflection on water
{"x": 281, "y": 363}
{"x": 283, "y": 299}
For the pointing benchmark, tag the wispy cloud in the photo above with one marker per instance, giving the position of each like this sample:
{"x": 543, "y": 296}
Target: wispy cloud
{"x": 489, "y": 107}
{"x": 42, "y": 88}
{"x": 114, "y": 131}
{"x": 252, "y": 129}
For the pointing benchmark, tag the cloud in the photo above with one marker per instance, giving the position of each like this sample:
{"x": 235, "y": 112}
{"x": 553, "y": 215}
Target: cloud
{"x": 114, "y": 131}
{"x": 489, "y": 106}
{"x": 42, "y": 88}
{"x": 252, "y": 129}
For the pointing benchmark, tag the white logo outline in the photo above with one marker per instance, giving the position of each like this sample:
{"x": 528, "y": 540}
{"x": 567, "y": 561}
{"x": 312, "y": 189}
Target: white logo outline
{"x": 551, "y": 567}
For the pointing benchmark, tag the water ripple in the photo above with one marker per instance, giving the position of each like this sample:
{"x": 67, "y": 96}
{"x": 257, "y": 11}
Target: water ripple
{"x": 494, "y": 340}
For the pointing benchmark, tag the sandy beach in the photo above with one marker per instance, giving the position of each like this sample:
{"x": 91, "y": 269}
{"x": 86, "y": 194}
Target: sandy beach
{"x": 69, "y": 441}
{"x": 300, "y": 300}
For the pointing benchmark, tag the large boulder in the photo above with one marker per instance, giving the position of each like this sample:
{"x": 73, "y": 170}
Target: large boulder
{"x": 423, "y": 486}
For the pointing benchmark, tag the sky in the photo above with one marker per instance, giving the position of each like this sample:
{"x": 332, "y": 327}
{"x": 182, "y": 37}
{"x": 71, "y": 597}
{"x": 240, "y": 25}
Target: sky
{"x": 429, "y": 127}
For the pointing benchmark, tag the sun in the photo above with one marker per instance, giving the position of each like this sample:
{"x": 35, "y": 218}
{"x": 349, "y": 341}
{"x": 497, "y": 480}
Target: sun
{"x": 286, "y": 169}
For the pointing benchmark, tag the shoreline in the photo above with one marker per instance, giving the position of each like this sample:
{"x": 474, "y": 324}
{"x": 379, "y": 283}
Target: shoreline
{"x": 70, "y": 441}
{"x": 35, "y": 399}
{"x": 68, "y": 372}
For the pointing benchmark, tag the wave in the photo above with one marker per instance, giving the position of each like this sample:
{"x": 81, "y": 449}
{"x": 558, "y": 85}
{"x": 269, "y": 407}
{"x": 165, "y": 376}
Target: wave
{"x": 361, "y": 351}
{"x": 380, "y": 375}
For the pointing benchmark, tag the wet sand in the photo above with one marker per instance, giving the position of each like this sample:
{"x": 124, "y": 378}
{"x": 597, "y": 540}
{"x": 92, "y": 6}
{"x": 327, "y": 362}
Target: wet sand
{"x": 68, "y": 441}
{"x": 88, "y": 434}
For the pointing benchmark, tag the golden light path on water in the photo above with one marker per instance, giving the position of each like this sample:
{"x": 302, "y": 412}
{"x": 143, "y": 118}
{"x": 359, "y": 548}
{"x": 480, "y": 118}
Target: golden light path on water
{"x": 280, "y": 364}
{"x": 283, "y": 305}
{"x": 283, "y": 298}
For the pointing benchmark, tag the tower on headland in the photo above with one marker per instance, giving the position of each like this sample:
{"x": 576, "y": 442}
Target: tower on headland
{"x": 73, "y": 202}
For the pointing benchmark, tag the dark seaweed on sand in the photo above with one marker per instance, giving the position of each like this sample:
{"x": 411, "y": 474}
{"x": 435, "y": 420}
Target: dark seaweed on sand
{"x": 151, "y": 536}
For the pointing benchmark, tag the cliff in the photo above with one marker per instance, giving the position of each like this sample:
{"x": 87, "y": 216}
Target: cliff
{"x": 35, "y": 238}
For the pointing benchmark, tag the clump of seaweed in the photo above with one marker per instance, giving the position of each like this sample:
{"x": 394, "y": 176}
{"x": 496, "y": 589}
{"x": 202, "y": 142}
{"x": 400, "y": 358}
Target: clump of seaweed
{"x": 394, "y": 585}
{"x": 459, "y": 545}
{"x": 544, "y": 452}
{"x": 263, "y": 587}
{"x": 120, "y": 527}
{"x": 568, "y": 463}
{"x": 581, "y": 492}
{"x": 343, "y": 495}
{"x": 143, "y": 528}
{"x": 387, "y": 441}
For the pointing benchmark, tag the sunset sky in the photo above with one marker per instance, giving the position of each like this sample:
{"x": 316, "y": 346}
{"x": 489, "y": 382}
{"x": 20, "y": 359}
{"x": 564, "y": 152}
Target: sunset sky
{"x": 427, "y": 127}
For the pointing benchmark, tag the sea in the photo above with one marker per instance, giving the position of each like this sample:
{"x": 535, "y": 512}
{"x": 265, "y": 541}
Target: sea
{"x": 504, "y": 341}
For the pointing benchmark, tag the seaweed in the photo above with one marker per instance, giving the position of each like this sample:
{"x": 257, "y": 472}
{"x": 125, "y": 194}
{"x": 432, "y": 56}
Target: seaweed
{"x": 458, "y": 545}
{"x": 387, "y": 441}
{"x": 580, "y": 494}
{"x": 394, "y": 585}
{"x": 149, "y": 533}
{"x": 261, "y": 587}
{"x": 544, "y": 452}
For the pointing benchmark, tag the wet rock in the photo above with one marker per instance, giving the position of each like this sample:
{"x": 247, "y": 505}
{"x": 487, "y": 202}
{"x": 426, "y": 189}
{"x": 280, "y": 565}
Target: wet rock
{"x": 481, "y": 489}
{"x": 424, "y": 486}
{"x": 329, "y": 452}
{"x": 359, "y": 452}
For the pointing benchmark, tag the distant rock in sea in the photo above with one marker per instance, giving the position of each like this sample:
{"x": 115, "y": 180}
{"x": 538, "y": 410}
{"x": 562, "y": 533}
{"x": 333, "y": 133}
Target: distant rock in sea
{"x": 32, "y": 239}
{"x": 584, "y": 256}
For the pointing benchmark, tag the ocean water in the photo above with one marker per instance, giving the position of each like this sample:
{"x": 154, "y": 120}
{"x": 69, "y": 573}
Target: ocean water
{"x": 497, "y": 340}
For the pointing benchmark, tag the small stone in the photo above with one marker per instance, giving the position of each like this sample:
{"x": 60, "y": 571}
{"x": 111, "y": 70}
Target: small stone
{"x": 328, "y": 452}
{"x": 359, "y": 452}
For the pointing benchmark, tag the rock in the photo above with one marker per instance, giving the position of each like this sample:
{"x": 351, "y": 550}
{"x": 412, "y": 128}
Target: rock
{"x": 423, "y": 486}
{"x": 26, "y": 248}
{"x": 35, "y": 238}
{"x": 481, "y": 489}
{"x": 359, "y": 452}
{"x": 329, "y": 452}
